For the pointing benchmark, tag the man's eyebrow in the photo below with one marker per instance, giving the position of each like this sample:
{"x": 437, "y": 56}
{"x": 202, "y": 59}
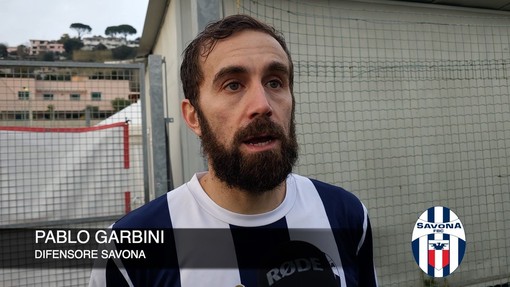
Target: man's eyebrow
{"x": 230, "y": 70}
{"x": 278, "y": 67}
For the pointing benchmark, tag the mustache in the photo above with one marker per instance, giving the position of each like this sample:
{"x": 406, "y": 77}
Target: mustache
{"x": 261, "y": 126}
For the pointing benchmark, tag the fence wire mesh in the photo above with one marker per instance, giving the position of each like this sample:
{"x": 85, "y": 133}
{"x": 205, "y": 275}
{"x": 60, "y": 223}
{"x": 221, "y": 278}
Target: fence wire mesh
{"x": 408, "y": 108}
{"x": 70, "y": 152}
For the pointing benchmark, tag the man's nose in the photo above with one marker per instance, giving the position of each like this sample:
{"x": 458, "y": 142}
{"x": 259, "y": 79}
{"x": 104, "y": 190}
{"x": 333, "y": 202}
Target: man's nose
{"x": 259, "y": 104}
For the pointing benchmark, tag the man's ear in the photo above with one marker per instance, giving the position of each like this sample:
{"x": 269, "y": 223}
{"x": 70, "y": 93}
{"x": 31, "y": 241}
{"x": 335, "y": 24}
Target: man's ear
{"x": 190, "y": 115}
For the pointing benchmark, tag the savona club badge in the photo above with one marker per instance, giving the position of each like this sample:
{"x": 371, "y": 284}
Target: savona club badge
{"x": 439, "y": 241}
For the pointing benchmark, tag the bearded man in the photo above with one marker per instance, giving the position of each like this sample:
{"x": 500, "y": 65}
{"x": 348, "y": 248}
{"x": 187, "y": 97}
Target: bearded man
{"x": 247, "y": 220}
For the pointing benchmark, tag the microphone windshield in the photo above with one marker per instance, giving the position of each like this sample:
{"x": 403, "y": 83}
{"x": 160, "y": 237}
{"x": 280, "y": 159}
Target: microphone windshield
{"x": 297, "y": 263}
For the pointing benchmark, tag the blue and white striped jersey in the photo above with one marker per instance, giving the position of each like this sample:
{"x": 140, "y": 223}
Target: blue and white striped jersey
{"x": 328, "y": 217}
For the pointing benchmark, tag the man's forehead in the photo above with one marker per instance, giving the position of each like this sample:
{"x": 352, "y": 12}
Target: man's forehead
{"x": 244, "y": 52}
{"x": 257, "y": 41}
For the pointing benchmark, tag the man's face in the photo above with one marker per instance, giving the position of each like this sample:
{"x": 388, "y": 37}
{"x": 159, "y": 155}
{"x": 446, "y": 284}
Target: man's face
{"x": 246, "y": 112}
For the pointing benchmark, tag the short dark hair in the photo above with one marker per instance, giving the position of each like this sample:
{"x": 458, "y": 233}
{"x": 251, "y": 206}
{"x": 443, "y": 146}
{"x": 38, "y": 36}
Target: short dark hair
{"x": 191, "y": 72}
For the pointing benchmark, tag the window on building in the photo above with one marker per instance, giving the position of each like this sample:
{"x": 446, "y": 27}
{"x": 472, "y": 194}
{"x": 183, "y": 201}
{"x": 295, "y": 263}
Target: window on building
{"x": 74, "y": 97}
{"x": 48, "y": 97}
{"x": 21, "y": 115}
{"x": 95, "y": 96}
{"x": 23, "y": 95}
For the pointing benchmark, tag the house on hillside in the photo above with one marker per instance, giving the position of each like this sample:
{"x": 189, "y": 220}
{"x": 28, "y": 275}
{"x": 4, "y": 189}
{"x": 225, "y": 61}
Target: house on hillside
{"x": 90, "y": 43}
{"x": 41, "y": 46}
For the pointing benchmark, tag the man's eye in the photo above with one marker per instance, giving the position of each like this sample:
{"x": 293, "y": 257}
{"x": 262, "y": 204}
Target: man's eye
{"x": 234, "y": 86}
{"x": 274, "y": 84}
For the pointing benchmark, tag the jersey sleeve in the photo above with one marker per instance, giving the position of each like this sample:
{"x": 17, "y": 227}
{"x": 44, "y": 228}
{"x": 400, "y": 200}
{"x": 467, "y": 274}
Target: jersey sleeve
{"x": 164, "y": 270}
{"x": 350, "y": 223}
{"x": 366, "y": 266}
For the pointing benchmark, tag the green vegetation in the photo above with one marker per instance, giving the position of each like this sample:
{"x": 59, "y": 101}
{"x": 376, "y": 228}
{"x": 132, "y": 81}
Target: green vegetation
{"x": 81, "y": 29}
{"x": 70, "y": 44}
{"x": 123, "y": 30}
{"x": 3, "y": 51}
{"x": 73, "y": 47}
{"x": 123, "y": 52}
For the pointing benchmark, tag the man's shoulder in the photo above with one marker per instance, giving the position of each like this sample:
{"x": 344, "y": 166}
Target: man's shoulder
{"x": 154, "y": 214}
{"x": 328, "y": 190}
{"x": 150, "y": 215}
{"x": 337, "y": 201}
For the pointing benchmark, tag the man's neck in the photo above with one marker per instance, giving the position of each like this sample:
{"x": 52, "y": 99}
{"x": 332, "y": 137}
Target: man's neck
{"x": 241, "y": 201}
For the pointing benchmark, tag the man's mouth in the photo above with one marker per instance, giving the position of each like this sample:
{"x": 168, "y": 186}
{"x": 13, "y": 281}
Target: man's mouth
{"x": 259, "y": 141}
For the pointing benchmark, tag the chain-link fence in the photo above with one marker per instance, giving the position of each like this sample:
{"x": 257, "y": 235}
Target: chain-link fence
{"x": 407, "y": 107}
{"x": 71, "y": 153}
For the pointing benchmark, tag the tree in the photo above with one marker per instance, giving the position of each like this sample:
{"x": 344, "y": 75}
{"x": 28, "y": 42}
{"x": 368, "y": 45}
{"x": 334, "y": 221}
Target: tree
{"x": 81, "y": 29}
{"x": 22, "y": 51}
{"x": 111, "y": 31}
{"x": 119, "y": 104}
{"x": 124, "y": 30}
{"x": 72, "y": 44}
{"x": 64, "y": 38}
{"x": 46, "y": 56}
{"x": 123, "y": 52}
{"x": 3, "y": 51}
{"x": 100, "y": 47}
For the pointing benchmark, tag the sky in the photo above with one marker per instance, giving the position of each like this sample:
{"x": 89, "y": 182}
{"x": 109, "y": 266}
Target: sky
{"x": 23, "y": 20}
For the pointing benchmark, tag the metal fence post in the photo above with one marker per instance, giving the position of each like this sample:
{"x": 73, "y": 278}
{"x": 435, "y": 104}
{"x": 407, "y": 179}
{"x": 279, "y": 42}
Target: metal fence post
{"x": 158, "y": 140}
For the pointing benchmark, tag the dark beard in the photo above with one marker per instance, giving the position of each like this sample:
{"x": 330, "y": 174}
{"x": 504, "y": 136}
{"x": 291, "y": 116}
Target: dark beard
{"x": 254, "y": 173}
